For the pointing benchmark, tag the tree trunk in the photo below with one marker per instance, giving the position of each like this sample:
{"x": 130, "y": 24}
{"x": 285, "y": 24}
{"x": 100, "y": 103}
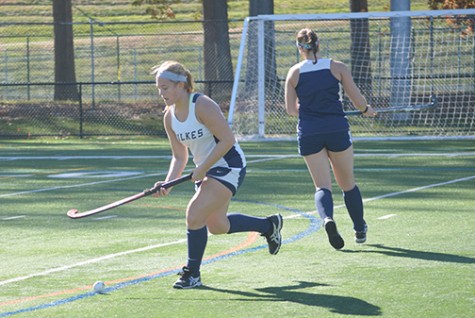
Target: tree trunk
{"x": 64, "y": 70}
{"x": 361, "y": 49}
{"x": 217, "y": 52}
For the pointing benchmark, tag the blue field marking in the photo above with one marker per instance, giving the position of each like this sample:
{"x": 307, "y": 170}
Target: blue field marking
{"x": 314, "y": 225}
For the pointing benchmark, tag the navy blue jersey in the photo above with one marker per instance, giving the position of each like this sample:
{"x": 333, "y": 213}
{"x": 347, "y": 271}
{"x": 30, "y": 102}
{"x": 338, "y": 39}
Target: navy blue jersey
{"x": 320, "y": 99}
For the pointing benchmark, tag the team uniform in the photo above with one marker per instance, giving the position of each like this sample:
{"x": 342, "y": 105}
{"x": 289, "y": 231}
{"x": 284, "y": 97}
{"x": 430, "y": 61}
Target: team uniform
{"x": 323, "y": 124}
{"x": 322, "y": 121}
{"x": 230, "y": 169}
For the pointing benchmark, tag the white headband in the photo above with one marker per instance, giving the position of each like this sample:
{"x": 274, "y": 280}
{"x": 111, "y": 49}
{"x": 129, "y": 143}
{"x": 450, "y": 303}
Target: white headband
{"x": 171, "y": 76}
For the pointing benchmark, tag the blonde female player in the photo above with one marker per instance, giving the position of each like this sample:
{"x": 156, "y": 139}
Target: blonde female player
{"x": 195, "y": 122}
{"x": 313, "y": 92}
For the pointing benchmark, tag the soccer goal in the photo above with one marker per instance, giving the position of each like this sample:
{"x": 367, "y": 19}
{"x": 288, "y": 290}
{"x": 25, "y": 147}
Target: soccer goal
{"x": 399, "y": 60}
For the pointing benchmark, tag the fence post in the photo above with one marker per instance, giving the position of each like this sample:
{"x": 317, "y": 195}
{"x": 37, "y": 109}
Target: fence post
{"x": 5, "y": 61}
{"x": 118, "y": 66}
{"x": 135, "y": 73}
{"x": 28, "y": 65}
{"x": 81, "y": 118}
{"x": 91, "y": 28}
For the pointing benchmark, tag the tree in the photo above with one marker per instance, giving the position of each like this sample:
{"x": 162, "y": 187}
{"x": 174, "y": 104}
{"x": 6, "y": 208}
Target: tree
{"x": 467, "y": 25}
{"x": 217, "y": 51}
{"x": 451, "y": 4}
{"x": 360, "y": 48}
{"x": 64, "y": 69}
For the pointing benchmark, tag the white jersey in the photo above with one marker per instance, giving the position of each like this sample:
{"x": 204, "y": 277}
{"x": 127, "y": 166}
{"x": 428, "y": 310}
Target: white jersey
{"x": 201, "y": 142}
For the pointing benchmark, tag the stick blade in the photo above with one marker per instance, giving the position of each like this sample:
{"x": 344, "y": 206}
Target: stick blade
{"x": 73, "y": 213}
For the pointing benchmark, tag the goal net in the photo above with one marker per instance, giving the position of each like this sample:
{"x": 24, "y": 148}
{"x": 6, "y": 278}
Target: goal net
{"x": 397, "y": 59}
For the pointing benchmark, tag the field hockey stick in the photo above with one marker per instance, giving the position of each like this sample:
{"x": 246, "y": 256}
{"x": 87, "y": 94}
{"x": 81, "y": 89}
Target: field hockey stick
{"x": 75, "y": 214}
{"x": 398, "y": 109}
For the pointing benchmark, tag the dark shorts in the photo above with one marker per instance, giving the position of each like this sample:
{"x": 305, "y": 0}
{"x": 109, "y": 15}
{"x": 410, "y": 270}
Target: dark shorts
{"x": 231, "y": 178}
{"x": 336, "y": 142}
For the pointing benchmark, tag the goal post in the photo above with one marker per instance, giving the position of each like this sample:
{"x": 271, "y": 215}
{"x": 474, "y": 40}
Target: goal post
{"x": 397, "y": 59}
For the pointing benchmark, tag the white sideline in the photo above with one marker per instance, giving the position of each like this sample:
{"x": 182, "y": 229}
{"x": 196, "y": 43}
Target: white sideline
{"x": 266, "y": 157}
{"x": 14, "y": 217}
{"x": 60, "y": 158}
{"x": 94, "y": 260}
{"x": 110, "y": 256}
{"x": 387, "y": 216}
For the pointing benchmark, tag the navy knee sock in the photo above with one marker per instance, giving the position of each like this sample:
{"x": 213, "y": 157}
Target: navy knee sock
{"x": 324, "y": 203}
{"x": 197, "y": 240}
{"x": 245, "y": 223}
{"x": 354, "y": 205}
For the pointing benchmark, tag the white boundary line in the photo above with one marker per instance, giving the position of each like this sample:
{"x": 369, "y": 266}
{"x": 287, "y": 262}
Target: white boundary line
{"x": 267, "y": 157}
{"x": 114, "y": 180}
{"x": 110, "y": 256}
{"x": 91, "y": 261}
{"x": 387, "y": 216}
{"x": 14, "y": 217}
{"x": 77, "y": 185}
{"x": 435, "y": 154}
{"x": 419, "y": 188}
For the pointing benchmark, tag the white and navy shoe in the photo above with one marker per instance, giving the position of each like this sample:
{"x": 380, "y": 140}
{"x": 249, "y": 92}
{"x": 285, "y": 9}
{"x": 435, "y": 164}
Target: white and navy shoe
{"x": 273, "y": 237}
{"x": 360, "y": 236}
{"x": 334, "y": 237}
{"x": 187, "y": 280}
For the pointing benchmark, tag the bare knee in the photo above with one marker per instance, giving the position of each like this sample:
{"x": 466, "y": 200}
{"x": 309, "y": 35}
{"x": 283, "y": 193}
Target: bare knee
{"x": 347, "y": 186}
{"x": 217, "y": 230}
{"x": 218, "y": 224}
{"x": 194, "y": 221}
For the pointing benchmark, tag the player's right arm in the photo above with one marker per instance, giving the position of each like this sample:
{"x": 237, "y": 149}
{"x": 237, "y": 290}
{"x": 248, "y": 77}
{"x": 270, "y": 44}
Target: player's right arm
{"x": 179, "y": 154}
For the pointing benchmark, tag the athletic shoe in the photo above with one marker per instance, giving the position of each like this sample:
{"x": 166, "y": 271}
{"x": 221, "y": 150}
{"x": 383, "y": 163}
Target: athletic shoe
{"x": 187, "y": 280}
{"x": 360, "y": 236}
{"x": 273, "y": 237}
{"x": 333, "y": 236}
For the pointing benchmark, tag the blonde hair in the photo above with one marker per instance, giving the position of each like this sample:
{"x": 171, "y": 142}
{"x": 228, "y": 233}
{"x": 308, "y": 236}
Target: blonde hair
{"x": 178, "y": 69}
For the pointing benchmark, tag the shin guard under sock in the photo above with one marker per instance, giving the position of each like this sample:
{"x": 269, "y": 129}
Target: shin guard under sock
{"x": 197, "y": 240}
{"x": 354, "y": 205}
{"x": 324, "y": 203}
{"x": 245, "y": 223}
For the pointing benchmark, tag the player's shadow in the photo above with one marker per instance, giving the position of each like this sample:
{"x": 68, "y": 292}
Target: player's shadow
{"x": 404, "y": 252}
{"x": 336, "y": 304}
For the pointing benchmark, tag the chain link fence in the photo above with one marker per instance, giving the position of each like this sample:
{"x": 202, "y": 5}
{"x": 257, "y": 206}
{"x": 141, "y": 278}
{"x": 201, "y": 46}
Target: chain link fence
{"x": 112, "y": 64}
{"x": 117, "y": 94}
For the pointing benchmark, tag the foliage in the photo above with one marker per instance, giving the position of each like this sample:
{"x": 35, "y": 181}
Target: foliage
{"x": 158, "y": 9}
{"x": 451, "y": 4}
{"x": 467, "y": 25}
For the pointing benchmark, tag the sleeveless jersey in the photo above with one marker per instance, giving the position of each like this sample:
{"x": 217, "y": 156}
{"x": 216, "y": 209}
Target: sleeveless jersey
{"x": 320, "y": 98}
{"x": 201, "y": 142}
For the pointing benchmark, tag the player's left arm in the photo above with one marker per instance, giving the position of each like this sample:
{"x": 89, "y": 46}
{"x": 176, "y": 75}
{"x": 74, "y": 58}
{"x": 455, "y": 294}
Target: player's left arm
{"x": 343, "y": 74}
{"x": 209, "y": 114}
{"x": 291, "y": 99}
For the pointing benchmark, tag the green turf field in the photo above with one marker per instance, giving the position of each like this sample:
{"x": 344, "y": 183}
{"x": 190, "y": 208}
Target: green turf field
{"x": 419, "y": 260}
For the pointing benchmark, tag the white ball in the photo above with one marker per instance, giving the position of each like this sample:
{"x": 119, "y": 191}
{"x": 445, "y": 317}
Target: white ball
{"x": 99, "y": 287}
